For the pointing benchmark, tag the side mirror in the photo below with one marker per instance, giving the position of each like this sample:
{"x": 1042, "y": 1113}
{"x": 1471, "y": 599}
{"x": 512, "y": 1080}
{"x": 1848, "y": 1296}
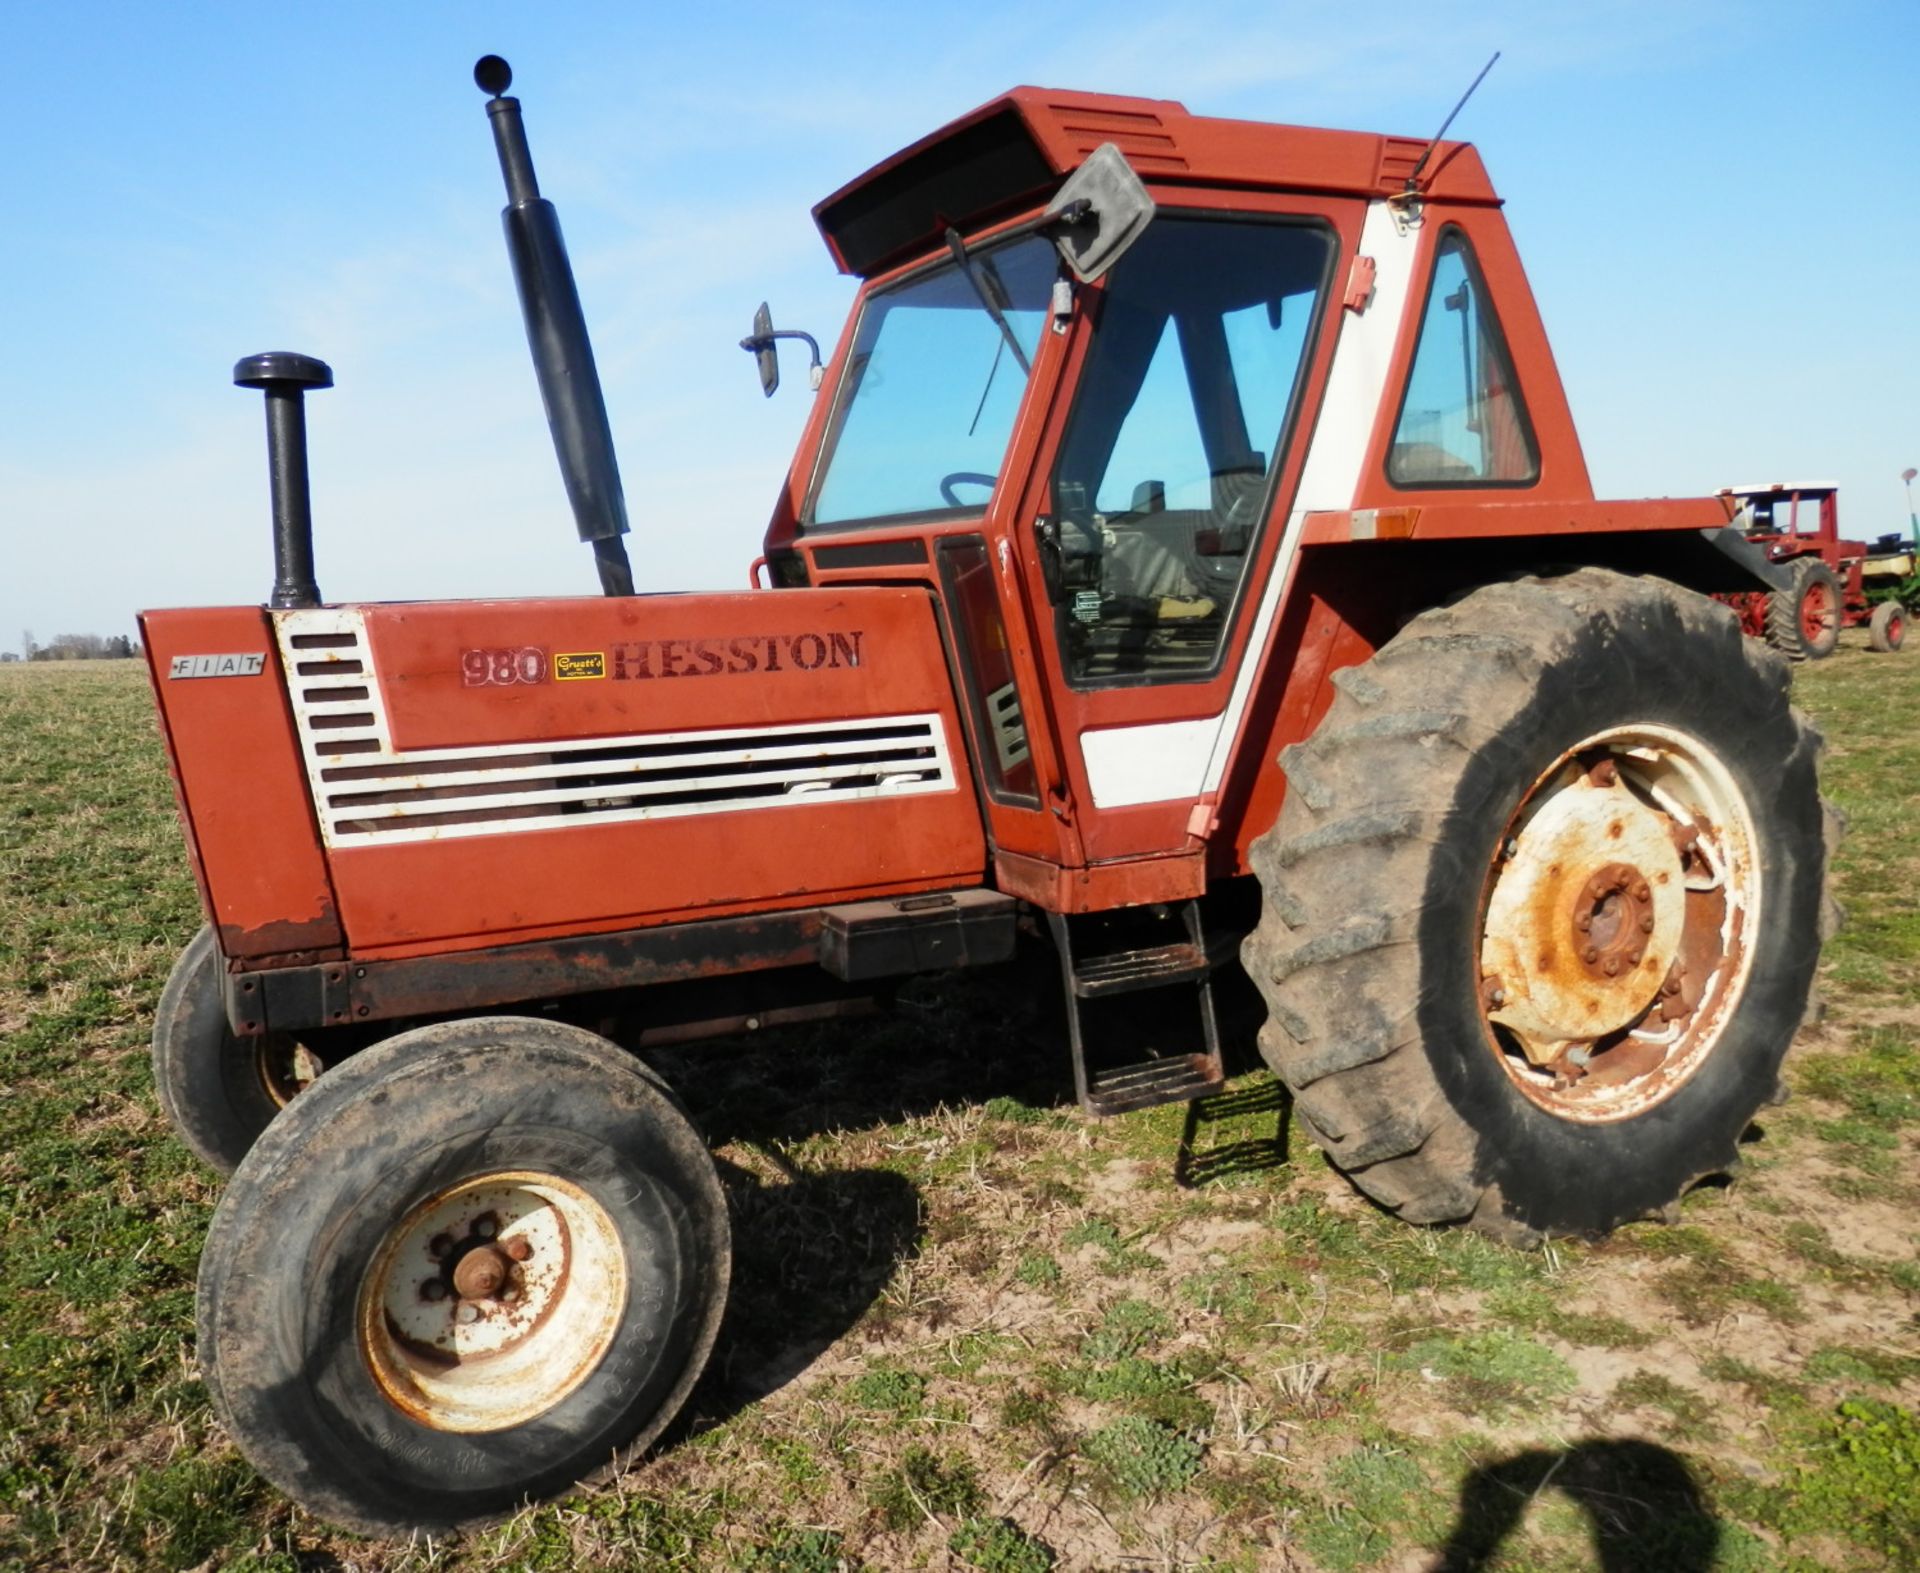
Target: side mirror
{"x": 761, "y": 343}
{"x": 764, "y": 354}
{"x": 1098, "y": 213}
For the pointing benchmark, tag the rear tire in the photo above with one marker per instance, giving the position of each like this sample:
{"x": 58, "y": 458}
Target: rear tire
{"x": 1379, "y": 877}
{"x": 1803, "y": 622}
{"x": 522, "y": 1171}
{"x": 1887, "y": 630}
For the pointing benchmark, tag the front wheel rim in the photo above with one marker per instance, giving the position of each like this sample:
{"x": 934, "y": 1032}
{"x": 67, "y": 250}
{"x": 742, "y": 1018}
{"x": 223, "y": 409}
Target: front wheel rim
{"x": 492, "y": 1301}
{"x": 1617, "y": 923}
{"x": 286, "y": 1067}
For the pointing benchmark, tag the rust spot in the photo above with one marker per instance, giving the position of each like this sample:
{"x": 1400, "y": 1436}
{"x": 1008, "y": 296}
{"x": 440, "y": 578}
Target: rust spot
{"x": 283, "y": 942}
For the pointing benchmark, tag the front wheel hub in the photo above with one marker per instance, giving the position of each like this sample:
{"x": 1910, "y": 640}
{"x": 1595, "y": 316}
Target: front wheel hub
{"x": 492, "y": 1300}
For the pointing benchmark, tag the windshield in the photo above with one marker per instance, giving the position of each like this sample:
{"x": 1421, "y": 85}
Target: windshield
{"x": 928, "y": 401}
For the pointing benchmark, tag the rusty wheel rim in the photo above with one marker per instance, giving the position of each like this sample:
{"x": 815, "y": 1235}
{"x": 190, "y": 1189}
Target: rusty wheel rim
{"x": 492, "y": 1300}
{"x": 286, "y": 1067}
{"x": 1816, "y": 612}
{"x": 1614, "y": 923}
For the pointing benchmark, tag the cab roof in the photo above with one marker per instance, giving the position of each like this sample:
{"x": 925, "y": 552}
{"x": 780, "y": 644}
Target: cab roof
{"x": 1014, "y": 150}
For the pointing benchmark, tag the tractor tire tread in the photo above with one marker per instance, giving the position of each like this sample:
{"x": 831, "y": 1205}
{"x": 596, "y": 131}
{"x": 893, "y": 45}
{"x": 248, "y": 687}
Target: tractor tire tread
{"x": 1343, "y": 870}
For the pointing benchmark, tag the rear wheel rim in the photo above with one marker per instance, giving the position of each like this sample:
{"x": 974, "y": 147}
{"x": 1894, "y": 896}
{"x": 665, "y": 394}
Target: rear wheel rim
{"x": 492, "y": 1301}
{"x": 1616, "y": 924}
{"x": 1816, "y": 612}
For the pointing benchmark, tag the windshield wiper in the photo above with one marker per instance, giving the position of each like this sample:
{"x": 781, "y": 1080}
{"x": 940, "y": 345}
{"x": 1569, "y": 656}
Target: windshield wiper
{"x": 987, "y": 295}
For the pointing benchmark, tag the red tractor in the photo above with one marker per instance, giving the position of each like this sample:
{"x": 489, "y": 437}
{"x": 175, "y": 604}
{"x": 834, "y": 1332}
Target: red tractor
{"x": 1189, "y": 562}
{"x": 1827, "y": 579}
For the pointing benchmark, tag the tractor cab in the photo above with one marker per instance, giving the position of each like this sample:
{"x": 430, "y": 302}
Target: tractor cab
{"x": 1798, "y": 512}
{"x": 1103, "y": 467}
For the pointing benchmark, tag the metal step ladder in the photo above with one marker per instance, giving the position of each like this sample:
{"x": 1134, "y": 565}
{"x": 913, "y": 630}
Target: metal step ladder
{"x": 1168, "y": 1078}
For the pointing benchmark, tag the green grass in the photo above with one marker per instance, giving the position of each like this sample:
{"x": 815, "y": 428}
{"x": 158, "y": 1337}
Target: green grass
{"x": 970, "y": 1329}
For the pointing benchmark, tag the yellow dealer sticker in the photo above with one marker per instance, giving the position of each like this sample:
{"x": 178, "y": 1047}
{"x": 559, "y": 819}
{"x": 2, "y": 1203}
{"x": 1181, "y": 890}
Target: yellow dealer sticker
{"x": 591, "y": 664}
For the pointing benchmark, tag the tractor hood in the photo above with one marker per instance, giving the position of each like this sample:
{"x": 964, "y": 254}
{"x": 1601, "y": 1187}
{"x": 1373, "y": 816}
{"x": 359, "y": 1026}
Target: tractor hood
{"x": 486, "y": 771}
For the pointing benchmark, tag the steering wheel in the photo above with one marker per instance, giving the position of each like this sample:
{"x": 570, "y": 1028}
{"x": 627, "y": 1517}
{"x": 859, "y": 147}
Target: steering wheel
{"x": 964, "y": 478}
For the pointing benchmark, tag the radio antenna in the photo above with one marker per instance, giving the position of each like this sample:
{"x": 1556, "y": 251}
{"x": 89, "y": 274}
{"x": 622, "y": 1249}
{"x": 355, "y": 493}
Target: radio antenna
{"x": 1413, "y": 180}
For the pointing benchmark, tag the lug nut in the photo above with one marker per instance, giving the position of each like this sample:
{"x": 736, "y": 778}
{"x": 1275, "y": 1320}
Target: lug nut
{"x": 467, "y": 1314}
{"x": 1590, "y": 955}
{"x": 1583, "y": 922}
{"x": 519, "y": 1249}
{"x": 1497, "y": 998}
{"x": 433, "y": 1289}
{"x": 1641, "y": 892}
{"x": 1646, "y": 924}
{"x": 1634, "y": 959}
{"x": 439, "y": 1245}
{"x": 1671, "y": 987}
{"x": 1612, "y": 968}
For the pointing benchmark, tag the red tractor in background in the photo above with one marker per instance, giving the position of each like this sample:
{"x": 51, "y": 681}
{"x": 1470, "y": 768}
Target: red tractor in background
{"x": 1189, "y": 563}
{"x": 1831, "y": 583}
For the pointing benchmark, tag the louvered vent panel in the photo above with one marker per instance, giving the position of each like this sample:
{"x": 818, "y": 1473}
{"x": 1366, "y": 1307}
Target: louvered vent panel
{"x": 1398, "y": 156}
{"x": 1143, "y": 138}
{"x": 368, "y": 793}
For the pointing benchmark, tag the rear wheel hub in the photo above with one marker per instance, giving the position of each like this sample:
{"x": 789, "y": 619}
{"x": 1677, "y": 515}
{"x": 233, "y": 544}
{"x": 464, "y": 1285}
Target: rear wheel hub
{"x": 1613, "y": 944}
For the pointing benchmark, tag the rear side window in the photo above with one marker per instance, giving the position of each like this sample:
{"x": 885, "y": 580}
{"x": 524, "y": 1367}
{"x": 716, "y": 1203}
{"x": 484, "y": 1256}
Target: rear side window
{"x": 1462, "y": 420}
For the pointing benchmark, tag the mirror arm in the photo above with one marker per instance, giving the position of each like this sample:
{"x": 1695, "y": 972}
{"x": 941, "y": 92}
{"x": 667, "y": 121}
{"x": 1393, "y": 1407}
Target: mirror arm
{"x": 754, "y": 343}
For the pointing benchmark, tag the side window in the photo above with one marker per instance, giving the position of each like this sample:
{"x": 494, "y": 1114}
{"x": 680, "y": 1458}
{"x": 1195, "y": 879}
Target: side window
{"x": 1462, "y": 422}
{"x": 1177, "y": 427}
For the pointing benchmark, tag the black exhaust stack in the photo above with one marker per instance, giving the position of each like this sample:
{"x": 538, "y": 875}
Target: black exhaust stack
{"x": 557, "y": 335}
{"x": 285, "y": 377}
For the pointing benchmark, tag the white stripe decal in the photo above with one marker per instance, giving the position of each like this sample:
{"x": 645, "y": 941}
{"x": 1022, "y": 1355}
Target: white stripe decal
{"x": 1157, "y": 763}
{"x": 1356, "y": 385}
{"x": 368, "y": 793}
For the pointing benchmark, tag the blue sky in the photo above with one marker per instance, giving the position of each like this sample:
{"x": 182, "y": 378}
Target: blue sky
{"x": 1713, "y": 201}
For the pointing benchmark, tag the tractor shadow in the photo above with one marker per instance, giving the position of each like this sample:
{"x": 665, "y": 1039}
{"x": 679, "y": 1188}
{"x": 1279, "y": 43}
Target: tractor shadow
{"x": 950, "y": 1042}
{"x": 1644, "y": 1506}
{"x": 814, "y": 1250}
{"x": 811, "y": 1255}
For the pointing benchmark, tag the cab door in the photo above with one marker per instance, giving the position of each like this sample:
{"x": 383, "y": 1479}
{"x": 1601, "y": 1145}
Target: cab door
{"x": 1149, "y": 532}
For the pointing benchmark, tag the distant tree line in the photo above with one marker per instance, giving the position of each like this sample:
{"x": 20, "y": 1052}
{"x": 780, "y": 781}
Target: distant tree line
{"x": 78, "y": 647}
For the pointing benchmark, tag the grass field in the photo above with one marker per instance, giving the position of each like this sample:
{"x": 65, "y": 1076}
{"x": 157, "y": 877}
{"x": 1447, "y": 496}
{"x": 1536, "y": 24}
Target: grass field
{"x": 970, "y": 1329}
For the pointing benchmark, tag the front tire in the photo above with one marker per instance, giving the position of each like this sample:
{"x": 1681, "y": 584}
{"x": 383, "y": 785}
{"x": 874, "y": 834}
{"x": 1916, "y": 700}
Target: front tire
{"x": 219, "y": 1091}
{"x": 477, "y": 1264}
{"x": 1887, "y": 630}
{"x": 1454, "y": 1039}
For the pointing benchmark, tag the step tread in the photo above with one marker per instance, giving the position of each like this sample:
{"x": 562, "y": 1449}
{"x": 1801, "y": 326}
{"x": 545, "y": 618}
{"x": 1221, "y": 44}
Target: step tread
{"x": 1151, "y": 967}
{"x": 1178, "y": 1078}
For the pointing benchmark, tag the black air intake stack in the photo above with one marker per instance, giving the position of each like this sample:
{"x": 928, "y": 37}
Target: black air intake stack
{"x": 285, "y": 378}
{"x": 557, "y": 335}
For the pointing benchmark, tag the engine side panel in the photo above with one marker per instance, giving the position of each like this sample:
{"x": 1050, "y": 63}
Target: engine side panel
{"x": 491, "y": 771}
